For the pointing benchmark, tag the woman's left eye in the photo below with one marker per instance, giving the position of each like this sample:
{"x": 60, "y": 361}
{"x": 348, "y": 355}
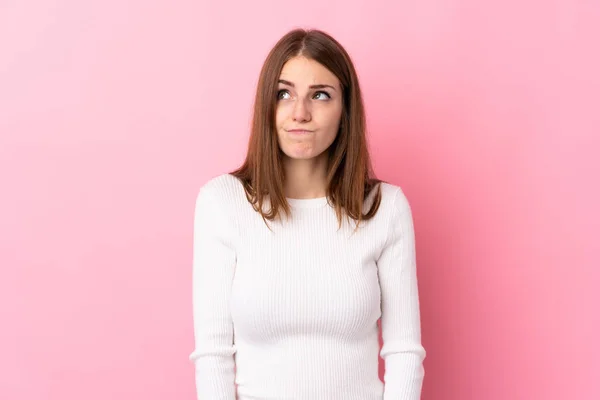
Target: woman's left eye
{"x": 325, "y": 93}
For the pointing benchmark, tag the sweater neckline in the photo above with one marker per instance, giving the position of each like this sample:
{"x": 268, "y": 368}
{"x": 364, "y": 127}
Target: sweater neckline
{"x": 307, "y": 203}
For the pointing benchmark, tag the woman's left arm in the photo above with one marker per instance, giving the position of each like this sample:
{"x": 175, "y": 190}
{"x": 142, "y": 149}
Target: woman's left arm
{"x": 402, "y": 350}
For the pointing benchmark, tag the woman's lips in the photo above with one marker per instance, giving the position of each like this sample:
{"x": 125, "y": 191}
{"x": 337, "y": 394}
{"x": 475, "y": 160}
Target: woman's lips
{"x": 299, "y": 131}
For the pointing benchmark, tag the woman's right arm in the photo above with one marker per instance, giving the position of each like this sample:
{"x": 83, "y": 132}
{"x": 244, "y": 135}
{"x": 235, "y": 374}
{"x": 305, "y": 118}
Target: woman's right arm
{"x": 214, "y": 262}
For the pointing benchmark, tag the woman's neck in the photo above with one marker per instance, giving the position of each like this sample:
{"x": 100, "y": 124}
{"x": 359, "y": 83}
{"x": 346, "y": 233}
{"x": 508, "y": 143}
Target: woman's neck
{"x": 305, "y": 179}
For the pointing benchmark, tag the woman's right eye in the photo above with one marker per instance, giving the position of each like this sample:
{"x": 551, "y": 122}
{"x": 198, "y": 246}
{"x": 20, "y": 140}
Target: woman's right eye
{"x": 280, "y": 93}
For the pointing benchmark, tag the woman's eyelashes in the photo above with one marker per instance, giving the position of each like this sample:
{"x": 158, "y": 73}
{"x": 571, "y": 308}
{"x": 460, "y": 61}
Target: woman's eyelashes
{"x": 279, "y": 94}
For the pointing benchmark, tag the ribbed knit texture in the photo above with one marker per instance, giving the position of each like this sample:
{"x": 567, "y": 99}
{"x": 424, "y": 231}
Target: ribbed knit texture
{"x": 292, "y": 313}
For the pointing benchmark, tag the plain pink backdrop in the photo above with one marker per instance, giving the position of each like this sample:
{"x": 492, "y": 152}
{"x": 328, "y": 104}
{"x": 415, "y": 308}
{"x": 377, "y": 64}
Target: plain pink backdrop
{"x": 112, "y": 114}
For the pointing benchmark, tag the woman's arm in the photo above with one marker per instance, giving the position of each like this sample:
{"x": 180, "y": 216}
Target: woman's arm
{"x": 400, "y": 318}
{"x": 213, "y": 267}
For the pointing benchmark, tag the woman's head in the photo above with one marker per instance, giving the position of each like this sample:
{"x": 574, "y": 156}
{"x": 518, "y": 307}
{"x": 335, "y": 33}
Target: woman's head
{"x": 334, "y": 113}
{"x": 309, "y": 98}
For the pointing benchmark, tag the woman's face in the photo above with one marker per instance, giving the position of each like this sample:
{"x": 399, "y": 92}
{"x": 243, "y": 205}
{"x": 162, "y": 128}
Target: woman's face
{"x": 309, "y": 98}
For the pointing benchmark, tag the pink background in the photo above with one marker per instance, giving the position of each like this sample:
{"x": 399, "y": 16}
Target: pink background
{"x": 113, "y": 113}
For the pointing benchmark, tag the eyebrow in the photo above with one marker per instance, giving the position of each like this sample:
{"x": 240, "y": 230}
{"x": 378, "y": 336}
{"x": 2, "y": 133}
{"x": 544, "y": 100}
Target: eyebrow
{"x": 320, "y": 86}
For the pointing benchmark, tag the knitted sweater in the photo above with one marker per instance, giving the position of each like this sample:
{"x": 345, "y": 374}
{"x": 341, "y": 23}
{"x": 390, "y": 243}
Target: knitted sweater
{"x": 292, "y": 313}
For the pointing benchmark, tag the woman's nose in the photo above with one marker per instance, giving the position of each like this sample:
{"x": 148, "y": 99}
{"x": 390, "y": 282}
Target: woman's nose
{"x": 301, "y": 111}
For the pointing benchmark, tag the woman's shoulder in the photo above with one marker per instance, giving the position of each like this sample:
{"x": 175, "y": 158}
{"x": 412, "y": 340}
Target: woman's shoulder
{"x": 221, "y": 188}
{"x": 393, "y": 196}
{"x": 224, "y": 181}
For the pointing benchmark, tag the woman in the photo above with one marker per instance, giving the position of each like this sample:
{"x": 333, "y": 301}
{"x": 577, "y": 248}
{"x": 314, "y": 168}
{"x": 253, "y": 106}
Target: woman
{"x": 300, "y": 251}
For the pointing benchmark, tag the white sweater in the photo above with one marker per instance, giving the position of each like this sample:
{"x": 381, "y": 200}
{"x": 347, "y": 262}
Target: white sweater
{"x": 292, "y": 314}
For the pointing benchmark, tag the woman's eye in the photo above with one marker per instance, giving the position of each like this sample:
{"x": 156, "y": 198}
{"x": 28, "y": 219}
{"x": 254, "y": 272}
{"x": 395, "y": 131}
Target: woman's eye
{"x": 280, "y": 93}
{"x": 325, "y": 93}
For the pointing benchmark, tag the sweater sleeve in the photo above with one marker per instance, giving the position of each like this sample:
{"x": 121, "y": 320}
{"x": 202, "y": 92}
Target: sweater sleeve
{"x": 214, "y": 262}
{"x": 400, "y": 317}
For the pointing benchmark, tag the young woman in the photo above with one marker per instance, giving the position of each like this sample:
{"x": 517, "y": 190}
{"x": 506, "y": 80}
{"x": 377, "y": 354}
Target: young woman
{"x": 300, "y": 251}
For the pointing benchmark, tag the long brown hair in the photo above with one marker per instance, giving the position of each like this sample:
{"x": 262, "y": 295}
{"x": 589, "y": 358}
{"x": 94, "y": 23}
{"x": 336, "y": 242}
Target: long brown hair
{"x": 350, "y": 176}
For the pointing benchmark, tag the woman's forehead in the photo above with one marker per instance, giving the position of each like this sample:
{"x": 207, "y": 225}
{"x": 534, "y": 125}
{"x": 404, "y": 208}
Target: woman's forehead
{"x": 301, "y": 71}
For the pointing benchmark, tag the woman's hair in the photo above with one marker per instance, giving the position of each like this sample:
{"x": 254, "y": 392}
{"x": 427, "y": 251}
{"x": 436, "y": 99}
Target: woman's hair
{"x": 350, "y": 177}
